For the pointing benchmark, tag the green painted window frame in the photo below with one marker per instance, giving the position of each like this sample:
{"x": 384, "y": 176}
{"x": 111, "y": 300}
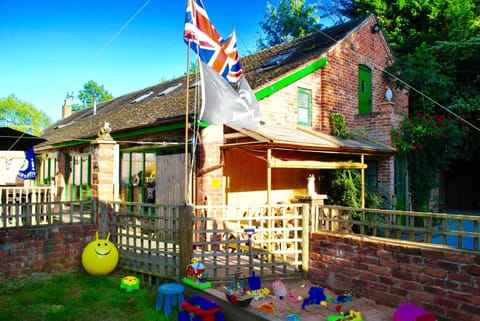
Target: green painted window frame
{"x": 304, "y": 107}
{"x": 78, "y": 180}
{"x": 364, "y": 90}
{"x": 130, "y": 184}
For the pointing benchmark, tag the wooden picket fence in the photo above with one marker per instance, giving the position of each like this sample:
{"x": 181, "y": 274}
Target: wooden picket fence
{"x": 35, "y": 206}
{"x": 159, "y": 241}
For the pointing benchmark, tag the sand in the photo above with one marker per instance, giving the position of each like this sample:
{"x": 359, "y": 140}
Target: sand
{"x": 369, "y": 310}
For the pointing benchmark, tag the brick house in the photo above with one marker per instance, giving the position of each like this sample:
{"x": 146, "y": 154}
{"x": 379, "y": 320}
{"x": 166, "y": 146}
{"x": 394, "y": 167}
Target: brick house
{"x": 140, "y": 155}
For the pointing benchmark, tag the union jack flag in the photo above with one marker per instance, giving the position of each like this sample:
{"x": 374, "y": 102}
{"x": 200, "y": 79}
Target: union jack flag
{"x": 221, "y": 55}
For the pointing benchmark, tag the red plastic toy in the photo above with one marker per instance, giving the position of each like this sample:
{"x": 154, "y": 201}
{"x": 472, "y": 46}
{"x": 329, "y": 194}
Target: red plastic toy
{"x": 201, "y": 309}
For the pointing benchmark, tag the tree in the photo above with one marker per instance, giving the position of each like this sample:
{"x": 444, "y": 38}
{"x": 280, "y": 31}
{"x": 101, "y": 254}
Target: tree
{"x": 436, "y": 44}
{"x": 23, "y": 116}
{"x": 86, "y": 95}
{"x": 291, "y": 19}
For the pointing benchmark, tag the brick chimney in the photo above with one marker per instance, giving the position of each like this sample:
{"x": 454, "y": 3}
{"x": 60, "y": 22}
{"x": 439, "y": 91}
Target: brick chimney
{"x": 66, "y": 108}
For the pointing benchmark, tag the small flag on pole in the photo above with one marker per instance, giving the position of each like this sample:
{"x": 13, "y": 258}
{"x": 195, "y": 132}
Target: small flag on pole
{"x": 28, "y": 169}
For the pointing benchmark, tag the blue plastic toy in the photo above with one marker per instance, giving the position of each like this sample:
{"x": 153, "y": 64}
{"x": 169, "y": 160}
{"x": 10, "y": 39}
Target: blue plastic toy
{"x": 315, "y": 296}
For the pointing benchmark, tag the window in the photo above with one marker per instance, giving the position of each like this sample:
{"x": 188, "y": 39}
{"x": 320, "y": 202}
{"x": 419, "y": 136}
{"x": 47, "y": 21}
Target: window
{"x": 79, "y": 175}
{"x": 304, "y": 100}
{"x": 137, "y": 176}
{"x": 364, "y": 90}
{"x": 277, "y": 60}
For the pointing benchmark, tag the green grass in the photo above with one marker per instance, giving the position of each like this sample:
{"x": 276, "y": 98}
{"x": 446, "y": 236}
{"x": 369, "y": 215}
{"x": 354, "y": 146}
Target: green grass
{"x": 78, "y": 296}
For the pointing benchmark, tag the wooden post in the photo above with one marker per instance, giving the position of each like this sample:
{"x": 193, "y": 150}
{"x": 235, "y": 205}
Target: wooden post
{"x": 305, "y": 240}
{"x": 185, "y": 238}
{"x": 363, "y": 181}
{"x": 269, "y": 209}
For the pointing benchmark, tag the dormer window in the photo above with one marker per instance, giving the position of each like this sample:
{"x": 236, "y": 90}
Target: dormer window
{"x": 278, "y": 59}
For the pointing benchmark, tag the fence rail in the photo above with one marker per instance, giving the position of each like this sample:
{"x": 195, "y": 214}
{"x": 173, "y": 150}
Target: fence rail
{"x": 270, "y": 240}
{"x": 35, "y": 206}
{"x": 148, "y": 237}
{"x": 455, "y": 230}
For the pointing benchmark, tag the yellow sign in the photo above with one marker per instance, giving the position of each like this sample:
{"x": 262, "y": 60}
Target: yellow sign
{"x": 216, "y": 182}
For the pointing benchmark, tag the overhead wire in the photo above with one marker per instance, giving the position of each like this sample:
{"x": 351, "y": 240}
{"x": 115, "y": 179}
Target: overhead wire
{"x": 122, "y": 28}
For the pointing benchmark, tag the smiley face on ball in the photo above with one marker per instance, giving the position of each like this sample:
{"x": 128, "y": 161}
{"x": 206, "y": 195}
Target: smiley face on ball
{"x": 100, "y": 257}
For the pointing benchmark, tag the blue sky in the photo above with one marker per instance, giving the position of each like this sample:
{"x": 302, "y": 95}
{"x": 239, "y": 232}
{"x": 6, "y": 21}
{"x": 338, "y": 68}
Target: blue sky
{"x": 50, "y": 48}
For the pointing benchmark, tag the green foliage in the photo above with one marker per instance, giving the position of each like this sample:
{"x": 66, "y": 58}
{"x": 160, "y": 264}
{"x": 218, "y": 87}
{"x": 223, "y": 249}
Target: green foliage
{"x": 289, "y": 20}
{"x": 339, "y": 128}
{"x": 429, "y": 143}
{"x": 344, "y": 188}
{"x": 23, "y": 116}
{"x": 86, "y": 95}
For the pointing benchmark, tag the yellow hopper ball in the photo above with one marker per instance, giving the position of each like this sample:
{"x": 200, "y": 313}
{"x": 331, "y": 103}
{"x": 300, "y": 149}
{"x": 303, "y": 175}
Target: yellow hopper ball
{"x": 100, "y": 257}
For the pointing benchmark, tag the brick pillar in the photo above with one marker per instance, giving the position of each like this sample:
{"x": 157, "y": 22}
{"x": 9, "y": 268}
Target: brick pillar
{"x": 103, "y": 176}
{"x": 210, "y": 182}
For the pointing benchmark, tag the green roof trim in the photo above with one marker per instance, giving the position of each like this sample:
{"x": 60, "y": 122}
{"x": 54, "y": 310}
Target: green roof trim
{"x": 290, "y": 79}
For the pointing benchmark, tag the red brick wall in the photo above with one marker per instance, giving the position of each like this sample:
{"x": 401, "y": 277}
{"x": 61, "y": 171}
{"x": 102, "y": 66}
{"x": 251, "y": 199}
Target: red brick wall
{"x": 443, "y": 281}
{"x": 210, "y": 182}
{"x": 53, "y": 249}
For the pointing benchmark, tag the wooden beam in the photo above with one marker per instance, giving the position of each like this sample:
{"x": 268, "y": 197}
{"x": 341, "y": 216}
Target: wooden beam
{"x": 309, "y": 164}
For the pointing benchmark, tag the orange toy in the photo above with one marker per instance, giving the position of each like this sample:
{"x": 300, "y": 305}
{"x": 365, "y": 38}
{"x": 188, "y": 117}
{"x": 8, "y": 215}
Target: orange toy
{"x": 268, "y": 308}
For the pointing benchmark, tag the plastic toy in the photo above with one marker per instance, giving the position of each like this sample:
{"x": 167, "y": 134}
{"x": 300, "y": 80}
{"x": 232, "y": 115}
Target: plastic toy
{"x": 279, "y": 289}
{"x": 268, "y": 308}
{"x": 254, "y": 282}
{"x": 291, "y": 297}
{"x": 130, "y": 283}
{"x": 315, "y": 296}
{"x": 196, "y": 275}
{"x": 200, "y": 309}
{"x": 352, "y": 316}
{"x": 346, "y": 297}
{"x": 237, "y": 292}
{"x": 261, "y": 292}
{"x": 410, "y": 312}
{"x": 100, "y": 257}
{"x": 292, "y": 317}
{"x": 169, "y": 295}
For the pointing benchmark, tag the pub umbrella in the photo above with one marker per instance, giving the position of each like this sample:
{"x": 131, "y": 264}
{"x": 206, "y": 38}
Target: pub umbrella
{"x": 11, "y": 139}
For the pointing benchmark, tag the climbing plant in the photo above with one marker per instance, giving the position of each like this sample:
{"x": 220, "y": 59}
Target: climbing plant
{"x": 345, "y": 185}
{"x": 430, "y": 143}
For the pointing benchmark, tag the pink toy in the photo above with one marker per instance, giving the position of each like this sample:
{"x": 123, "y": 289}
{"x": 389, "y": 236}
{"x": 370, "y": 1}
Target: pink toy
{"x": 410, "y": 312}
{"x": 279, "y": 289}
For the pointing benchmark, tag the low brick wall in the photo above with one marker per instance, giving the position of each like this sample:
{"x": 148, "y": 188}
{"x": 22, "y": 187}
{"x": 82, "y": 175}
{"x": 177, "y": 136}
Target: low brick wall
{"x": 49, "y": 249}
{"x": 443, "y": 281}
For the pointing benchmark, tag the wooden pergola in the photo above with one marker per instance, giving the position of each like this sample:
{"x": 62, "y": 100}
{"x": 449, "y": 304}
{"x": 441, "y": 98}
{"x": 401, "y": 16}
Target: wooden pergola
{"x": 300, "y": 148}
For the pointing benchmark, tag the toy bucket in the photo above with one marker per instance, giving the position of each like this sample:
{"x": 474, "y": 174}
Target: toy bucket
{"x": 410, "y": 312}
